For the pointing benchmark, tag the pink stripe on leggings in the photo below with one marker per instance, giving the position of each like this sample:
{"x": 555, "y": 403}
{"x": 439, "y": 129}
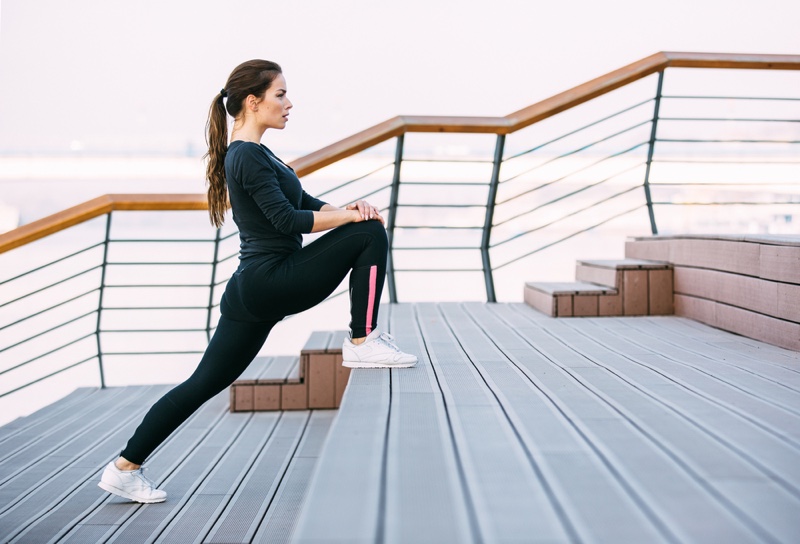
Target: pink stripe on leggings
{"x": 373, "y": 280}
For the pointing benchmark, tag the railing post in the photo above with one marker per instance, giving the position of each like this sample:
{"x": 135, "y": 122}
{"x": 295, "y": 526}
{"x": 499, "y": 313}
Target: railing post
{"x": 100, "y": 300}
{"x": 398, "y": 159}
{"x": 487, "y": 222}
{"x": 650, "y": 150}
{"x": 213, "y": 283}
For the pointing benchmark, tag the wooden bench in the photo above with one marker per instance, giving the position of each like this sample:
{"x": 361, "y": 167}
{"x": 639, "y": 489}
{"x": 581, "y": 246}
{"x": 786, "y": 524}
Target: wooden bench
{"x": 749, "y": 285}
{"x": 315, "y": 379}
{"x": 607, "y": 288}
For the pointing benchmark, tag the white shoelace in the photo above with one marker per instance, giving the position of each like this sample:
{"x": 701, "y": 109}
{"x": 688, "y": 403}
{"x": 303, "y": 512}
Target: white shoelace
{"x": 147, "y": 480}
{"x": 388, "y": 340}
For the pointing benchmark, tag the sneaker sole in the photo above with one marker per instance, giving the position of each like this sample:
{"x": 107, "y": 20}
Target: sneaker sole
{"x": 360, "y": 364}
{"x": 119, "y": 492}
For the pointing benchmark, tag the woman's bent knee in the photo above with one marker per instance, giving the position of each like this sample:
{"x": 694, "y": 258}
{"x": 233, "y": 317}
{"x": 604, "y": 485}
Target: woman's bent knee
{"x": 375, "y": 229}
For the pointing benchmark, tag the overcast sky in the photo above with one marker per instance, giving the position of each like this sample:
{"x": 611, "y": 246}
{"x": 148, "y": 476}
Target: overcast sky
{"x": 108, "y": 76}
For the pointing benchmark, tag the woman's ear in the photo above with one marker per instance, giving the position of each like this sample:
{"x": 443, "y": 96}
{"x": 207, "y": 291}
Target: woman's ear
{"x": 252, "y": 102}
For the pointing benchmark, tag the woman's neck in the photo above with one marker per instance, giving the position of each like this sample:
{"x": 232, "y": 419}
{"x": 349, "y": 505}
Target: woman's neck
{"x": 248, "y": 133}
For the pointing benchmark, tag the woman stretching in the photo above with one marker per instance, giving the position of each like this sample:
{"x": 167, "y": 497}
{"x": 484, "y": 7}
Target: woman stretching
{"x": 276, "y": 276}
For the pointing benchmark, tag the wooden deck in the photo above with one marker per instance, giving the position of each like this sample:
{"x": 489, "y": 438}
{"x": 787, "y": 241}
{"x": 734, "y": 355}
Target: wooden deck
{"x": 513, "y": 427}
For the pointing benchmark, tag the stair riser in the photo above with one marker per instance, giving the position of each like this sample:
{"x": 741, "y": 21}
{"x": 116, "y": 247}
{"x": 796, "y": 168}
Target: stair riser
{"x": 641, "y": 292}
{"x": 601, "y": 276}
{"x": 322, "y": 386}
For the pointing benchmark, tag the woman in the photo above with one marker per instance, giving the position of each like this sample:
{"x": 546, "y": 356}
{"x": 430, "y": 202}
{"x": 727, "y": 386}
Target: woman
{"x": 276, "y": 275}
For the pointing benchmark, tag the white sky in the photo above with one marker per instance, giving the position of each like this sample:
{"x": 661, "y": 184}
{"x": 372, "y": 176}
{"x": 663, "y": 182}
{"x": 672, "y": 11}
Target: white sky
{"x": 138, "y": 76}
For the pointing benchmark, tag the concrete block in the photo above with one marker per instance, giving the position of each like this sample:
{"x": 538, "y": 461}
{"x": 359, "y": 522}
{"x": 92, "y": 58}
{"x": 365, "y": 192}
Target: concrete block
{"x": 584, "y": 306}
{"x": 660, "y": 292}
{"x": 294, "y": 396}
{"x": 789, "y": 302}
{"x": 241, "y": 398}
{"x": 266, "y": 397}
{"x": 694, "y": 281}
{"x": 563, "y": 305}
{"x": 609, "y": 305}
{"x": 780, "y": 263}
{"x": 698, "y": 309}
{"x": 540, "y": 301}
{"x": 726, "y": 255}
{"x": 634, "y": 292}
{"x": 651, "y": 249}
{"x": 761, "y": 327}
{"x": 321, "y": 379}
{"x": 598, "y": 275}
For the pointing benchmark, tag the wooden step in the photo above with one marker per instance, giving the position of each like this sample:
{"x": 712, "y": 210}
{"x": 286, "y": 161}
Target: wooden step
{"x": 607, "y": 288}
{"x": 315, "y": 379}
{"x": 746, "y": 284}
{"x": 609, "y": 272}
{"x": 558, "y": 299}
{"x": 770, "y": 257}
{"x": 327, "y": 378}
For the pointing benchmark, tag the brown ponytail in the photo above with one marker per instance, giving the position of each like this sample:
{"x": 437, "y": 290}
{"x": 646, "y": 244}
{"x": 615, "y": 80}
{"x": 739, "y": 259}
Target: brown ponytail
{"x": 251, "y": 77}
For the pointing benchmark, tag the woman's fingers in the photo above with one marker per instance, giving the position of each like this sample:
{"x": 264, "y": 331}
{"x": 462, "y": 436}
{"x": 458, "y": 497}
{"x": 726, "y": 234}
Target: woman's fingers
{"x": 366, "y": 210}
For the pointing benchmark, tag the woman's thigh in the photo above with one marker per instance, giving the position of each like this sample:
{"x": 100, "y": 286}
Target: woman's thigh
{"x": 310, "y": 275}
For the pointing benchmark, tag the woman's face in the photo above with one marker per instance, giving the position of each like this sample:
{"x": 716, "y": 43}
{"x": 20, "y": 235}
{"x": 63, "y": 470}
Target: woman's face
{"x": 273, "y": 109}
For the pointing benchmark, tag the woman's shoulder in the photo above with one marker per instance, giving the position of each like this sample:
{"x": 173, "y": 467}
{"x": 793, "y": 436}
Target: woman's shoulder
{"x": 242, "y": 147}
{"x": 240, "y": 151}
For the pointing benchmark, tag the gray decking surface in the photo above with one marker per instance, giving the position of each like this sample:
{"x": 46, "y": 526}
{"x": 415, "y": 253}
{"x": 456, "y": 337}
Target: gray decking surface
{"x": 513, "y": 427}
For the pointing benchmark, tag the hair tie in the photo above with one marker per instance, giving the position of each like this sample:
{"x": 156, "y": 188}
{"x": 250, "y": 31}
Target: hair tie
{"x": 223, "y": 93}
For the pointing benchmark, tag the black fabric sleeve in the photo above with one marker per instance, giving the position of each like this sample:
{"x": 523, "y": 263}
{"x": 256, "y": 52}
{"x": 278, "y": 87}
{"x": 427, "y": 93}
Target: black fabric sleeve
{"x": 260, "y": 180}
{"x": 311, "y": 203}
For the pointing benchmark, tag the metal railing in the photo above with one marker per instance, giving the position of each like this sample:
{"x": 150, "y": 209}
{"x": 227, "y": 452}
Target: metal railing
{"x": 482, "y": 198}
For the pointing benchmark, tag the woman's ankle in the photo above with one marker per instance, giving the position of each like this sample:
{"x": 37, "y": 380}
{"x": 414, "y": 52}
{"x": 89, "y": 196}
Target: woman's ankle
{"x": 358, "y": 341}
{"x": 123, "y": 464}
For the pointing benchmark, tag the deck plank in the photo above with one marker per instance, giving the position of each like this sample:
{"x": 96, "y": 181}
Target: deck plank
{"x": 599, "y": 504}
{"x": 77, "y": 495}
{"x": 33, "y": 475}
{"x": 344, "y": 495}
{"x": 41, "y": 436}
{"x": 45, "y": 416}
{"x": 279, "y": 523}
{"x": 713, "y": 355}
{"x": 112, "y": 512}
{"x": 240, "y": 521}
{"x": 694, "y": 514}
{"x": 749, "y": 382}
{"x": 697, "y": 444}
{"x": 423, "y": 480}
{"x": 513, "y": 426}
{"x": 509, "y": 497}
{"x": 773, "y": 417}
{"x": 204, "y": 506}
{"x": 182, "y": 483}
{"x": 739, "y": 344}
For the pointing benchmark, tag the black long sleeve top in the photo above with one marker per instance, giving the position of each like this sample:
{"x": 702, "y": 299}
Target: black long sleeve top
{"x": 269, "y": 205}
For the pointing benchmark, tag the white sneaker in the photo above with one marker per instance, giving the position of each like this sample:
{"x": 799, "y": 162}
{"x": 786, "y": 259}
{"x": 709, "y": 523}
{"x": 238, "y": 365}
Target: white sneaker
{"x": 377, "y": 351}
{"x": 131, "y": 484}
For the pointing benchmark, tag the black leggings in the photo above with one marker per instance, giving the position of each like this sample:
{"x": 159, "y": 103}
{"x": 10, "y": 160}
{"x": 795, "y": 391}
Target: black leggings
{"x": 256, "y": 298}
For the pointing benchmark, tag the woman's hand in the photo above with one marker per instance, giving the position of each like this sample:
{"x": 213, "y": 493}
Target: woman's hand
{"x": 366, "y": 210}
{"x": 330, "y": 217}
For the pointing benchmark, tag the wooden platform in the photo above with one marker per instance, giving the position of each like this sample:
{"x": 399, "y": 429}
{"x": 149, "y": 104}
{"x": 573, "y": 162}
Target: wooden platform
{"x": 749, "y": 285}
{"x": 514, "y": 427}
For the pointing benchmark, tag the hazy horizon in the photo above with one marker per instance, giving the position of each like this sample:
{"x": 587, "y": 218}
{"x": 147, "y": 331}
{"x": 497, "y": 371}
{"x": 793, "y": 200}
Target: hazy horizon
{"x": 101, "y": 78}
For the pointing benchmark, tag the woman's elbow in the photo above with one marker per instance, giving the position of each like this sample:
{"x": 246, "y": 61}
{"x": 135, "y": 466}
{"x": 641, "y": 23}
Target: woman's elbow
{"x": 293, "y": 224}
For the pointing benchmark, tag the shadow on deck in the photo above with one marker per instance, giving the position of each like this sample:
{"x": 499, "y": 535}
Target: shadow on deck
{"x": 514, "y": 426}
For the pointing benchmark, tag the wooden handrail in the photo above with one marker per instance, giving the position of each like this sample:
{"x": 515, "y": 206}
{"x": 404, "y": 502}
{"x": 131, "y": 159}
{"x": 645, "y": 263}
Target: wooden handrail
{"x": 404, "y": 124}
{"x": 95, "y": 208}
